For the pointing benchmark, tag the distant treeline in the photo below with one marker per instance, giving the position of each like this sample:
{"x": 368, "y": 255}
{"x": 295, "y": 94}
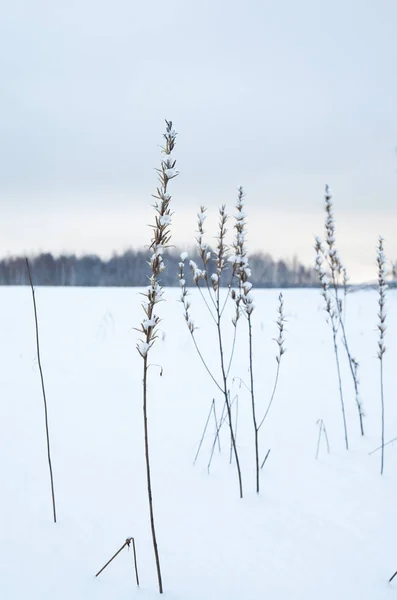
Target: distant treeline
{"x": 131, "y": 269}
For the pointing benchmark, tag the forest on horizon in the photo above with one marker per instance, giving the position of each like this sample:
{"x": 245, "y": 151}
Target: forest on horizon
{"x": 130, "y": 269}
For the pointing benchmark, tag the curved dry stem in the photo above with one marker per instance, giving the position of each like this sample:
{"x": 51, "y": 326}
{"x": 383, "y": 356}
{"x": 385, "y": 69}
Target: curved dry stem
{"x": 204, "y": 363}
{"x": 272, "y": 396}
{"x": 205, "y": 301}
{"x": 256, "y": 428}
{"x": 232, "y": 350}
{"x": 205, "y": 429}
{"x": 242, "y": 382}
{"x": 348, "y": 353}
{"x": 47, "y": 429}
{"x": 217, "y": 439}
{"x": 227, "y": 296}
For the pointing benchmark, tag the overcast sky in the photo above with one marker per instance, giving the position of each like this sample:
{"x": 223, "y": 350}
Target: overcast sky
{"x": 278, "y": 96}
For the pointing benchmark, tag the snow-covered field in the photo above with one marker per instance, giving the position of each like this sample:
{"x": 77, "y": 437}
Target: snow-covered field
{"x": 320, "y": 529}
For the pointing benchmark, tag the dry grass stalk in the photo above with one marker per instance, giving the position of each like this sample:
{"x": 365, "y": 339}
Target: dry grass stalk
{"x": 216, "y": 439}
{"x": 127, "y": 544}
{"x": 265, "y": 459}
{"x": 382, "y": 287}
{"x": 337, "y": 270}
{"x": 215, "y": 305}
{"x": 333, "y": 320}
{"x": 47, "y": 429}
{"x": 322, "y": 431}
{"x": 153, "y": 295}
{"x": 280, "y": 341}
{"x": 245, "y": 305}
{"x": 211, "y": 412}
{"x": 392, "y": 577}
{"x": 244, "y": 302}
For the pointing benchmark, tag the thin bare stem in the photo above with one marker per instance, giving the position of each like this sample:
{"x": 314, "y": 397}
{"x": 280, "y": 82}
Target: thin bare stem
{"x": 226, "y": 394}
{"x": 353, "y": 364}
{"x": 206, "y": 303}
{"x": 205, "y": 429}
{"x": 382, "y": 419}
{"x": 340, "y": 389}
{"x": 113, "y": 557}
{"x": 265, "y": 459}
{"x": 256, "y": 429}
{"x": 326, "y": 438}
{"x": 232, "y": 350}
{"x": 235, "y": 431}
{"x": 135, "y": 561}
{"x": 382, "y": 446}
{"x": 216, "y": 428}
{"x": 148, "y": 477}
{"x": 186, "y": 306}
{"x": 127, "y": 543}
{"x": 44, "y": 394}
{"x": 280, "y": 341}
{"x": 227, "y": 296}
{"x": 242, "y": 382}
{"x": 322, "y": 431}
{"x": 319, "y": 437}
{"x": 272, "y": 396}
{"x": 217, "y": 437}
{"x": 392, "y": 577}
{"x": 205, "y": 364}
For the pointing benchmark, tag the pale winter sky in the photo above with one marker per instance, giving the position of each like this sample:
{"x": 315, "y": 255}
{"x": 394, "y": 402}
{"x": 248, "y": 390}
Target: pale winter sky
{"x": 278, "y": 96}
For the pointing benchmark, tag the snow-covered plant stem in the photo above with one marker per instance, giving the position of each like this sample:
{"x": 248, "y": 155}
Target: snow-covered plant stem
{"x": 220, "y": 259}
{"x": 47, "y": 429}
{"x": 336, "y": 270}
{"x": 382, "y": 287}
{"x": 153, "y": 295}
{"x": 245, "y": 305}
{"x": 333, "y": 321}
{"x": 215, "y": 308}
{"x": 243, "y": 298}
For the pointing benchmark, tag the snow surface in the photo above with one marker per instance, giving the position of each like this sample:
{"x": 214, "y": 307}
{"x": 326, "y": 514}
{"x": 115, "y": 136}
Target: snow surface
{"x": 320, "y": 529}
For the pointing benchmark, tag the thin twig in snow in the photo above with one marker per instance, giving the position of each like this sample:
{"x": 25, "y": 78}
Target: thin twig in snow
{"x": 44, "y": 394}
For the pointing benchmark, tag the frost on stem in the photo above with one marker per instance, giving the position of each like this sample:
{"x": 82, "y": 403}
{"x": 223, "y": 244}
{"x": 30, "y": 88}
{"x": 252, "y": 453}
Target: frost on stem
{"x": 185, "y": 293}
{"x": 240, "y": 262}
{"x": 323, "y": 277}
{"x": 280, "y": 339}
{"x": 202, "y": 247}
{"x": 221, "y": 248}
{"x": 382, "y": 287}
{"x": 196, "y": 272}
{"x": 159, "y": 242}
{"x": 337, "y": 271}
{"x": 330, "y": 240}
